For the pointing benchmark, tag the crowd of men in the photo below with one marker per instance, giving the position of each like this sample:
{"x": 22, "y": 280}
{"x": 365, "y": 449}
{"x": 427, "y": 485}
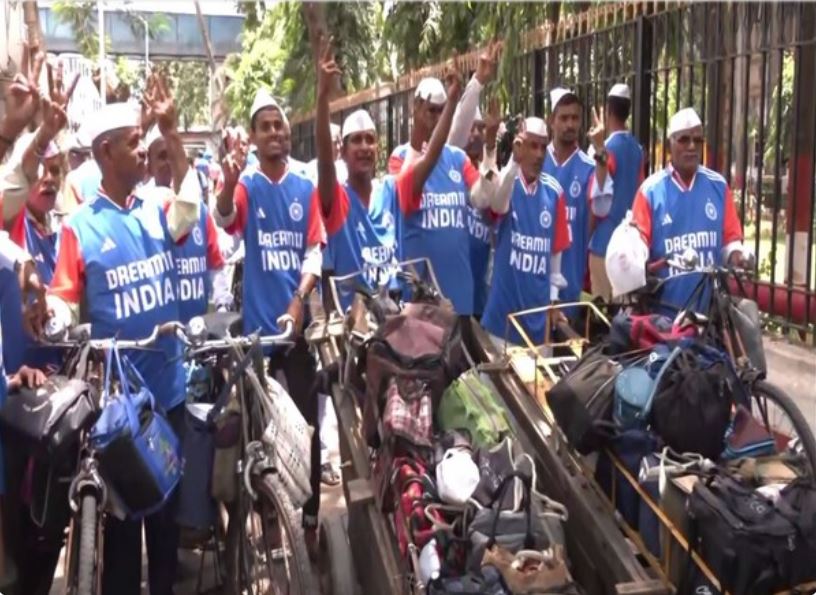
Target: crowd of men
{"x": 125, "y": 233}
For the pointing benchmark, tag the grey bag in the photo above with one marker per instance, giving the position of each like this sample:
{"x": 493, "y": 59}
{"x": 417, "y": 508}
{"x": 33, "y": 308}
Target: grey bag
{"x": 749, "y": 328}
{"x": 530, "y": 528}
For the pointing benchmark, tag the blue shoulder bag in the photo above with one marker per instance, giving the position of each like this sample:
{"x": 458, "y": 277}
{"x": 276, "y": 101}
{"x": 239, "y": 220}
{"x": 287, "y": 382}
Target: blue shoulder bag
{"x": 138, "y": 451}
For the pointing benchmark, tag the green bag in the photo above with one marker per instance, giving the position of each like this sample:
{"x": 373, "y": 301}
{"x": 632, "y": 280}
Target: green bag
{"x": 470, "y": 405}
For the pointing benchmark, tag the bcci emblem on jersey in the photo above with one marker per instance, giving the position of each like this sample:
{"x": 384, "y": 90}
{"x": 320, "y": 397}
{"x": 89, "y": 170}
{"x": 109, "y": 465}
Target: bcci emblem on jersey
{"x": 197, "y": 237}
{"x": 296, "y": 211}
{"x": 711, "y": 211}
{"x": 455, "y": 176}
{"x": 575, "y": 189}
{"x": 545, "y": 219}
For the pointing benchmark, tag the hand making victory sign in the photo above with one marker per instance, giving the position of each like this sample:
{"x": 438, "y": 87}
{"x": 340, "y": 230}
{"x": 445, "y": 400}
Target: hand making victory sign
{"x": 22, "y": 100}
{"x": 159, "y": 104}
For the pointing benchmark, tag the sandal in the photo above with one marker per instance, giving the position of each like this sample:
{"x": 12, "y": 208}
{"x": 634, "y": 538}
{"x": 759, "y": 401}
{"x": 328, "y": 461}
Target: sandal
{"x": 329, "y": 475}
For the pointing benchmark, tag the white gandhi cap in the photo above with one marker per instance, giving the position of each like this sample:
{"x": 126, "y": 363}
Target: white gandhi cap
{"x": 264, "y": 99}
{"x": 557, "y": 94}
{"x": 620, "y": 90}
{"x": 685, "y": 119}
{"x": 431, "y": 89}
{"x": 113, "y": 116}
{"x": 535, "y": 126}
{"x": 335, "y": 132}
{"x": 359, "y": 121}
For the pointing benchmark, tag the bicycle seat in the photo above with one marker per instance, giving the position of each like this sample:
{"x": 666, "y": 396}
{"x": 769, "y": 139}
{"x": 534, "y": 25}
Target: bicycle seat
{"x": 221, "y": 325}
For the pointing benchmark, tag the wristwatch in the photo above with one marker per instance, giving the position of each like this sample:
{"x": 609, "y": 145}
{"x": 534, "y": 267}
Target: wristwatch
{"x": 600, "y": 157}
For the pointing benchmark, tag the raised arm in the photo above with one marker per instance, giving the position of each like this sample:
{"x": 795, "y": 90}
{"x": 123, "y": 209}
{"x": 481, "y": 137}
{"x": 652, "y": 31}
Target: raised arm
{"x": 424, "y": 165}
{"x": 327, "y": 73}
{"x": 465, "y": 112}
{"x": 483, "y": 192}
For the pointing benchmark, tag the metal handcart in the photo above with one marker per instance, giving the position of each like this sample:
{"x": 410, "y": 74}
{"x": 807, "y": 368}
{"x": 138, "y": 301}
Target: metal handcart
{"x": 523, "y": 375}
{"x": 603, "y": 560}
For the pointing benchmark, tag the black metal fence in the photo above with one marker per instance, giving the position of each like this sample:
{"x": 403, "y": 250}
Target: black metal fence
{"x": 749, "y": 69}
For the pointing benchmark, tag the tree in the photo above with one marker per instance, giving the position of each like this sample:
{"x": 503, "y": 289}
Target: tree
{"x": 278, "y": 54}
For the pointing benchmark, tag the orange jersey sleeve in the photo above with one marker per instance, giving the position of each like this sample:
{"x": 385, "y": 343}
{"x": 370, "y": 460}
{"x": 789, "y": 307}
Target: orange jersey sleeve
{"x": 69, "y": 274}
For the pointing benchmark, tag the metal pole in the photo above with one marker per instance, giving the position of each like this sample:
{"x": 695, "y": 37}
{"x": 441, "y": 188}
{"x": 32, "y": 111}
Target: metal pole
{"x": 147, "y": 47}
{"x": 103, "y": 85}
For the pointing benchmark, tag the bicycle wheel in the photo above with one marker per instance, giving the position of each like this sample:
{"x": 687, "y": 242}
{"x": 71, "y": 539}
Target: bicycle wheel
{"x": 271, "y": 554}
{"x": 86, "y": 568}
{"x": 783, "y": 418}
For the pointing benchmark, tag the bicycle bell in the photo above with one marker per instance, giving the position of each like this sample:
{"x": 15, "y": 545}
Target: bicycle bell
{"x": 690, "y": 259}
{"x": 196, "y": 330}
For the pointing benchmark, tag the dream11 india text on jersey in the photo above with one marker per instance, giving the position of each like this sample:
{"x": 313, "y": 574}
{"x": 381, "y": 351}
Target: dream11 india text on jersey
{"x": 278, "y": 221}
{"x": 433, "y": 225}
{"x": 121, "y": 261}
{"x": 528, "y": 235}
{"x": 480, "y": 229}
{"x": 195, "y": 259}
{"x": 625, "y": 166}
{"x": 575, "y": 176}
{"x": 673, "y": 218}
{"x": 360, "y": 237}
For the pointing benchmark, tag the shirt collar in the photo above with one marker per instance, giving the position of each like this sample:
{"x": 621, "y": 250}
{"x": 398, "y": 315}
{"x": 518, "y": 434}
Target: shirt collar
{"x": 528, "y": 187}
{"x": 51, "y": 223}
{"x": 270, "y": 180}
{"x": 551, "y": 149}
{"x": 678, "y": 181}
{"x": 129, "y": 203}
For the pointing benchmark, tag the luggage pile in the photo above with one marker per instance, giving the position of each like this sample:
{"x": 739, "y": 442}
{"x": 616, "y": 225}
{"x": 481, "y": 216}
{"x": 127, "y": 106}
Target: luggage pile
{"x": 459, "y": 495}
{"x": 672, "y": 412}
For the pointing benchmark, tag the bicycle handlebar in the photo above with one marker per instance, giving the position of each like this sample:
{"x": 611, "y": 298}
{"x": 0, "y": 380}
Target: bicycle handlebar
{"x": 195, "y": 332}
{"x": 160, "y": 330}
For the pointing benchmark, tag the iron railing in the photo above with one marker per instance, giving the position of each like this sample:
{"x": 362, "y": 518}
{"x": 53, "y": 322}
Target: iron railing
{"x": 749, "y": 69}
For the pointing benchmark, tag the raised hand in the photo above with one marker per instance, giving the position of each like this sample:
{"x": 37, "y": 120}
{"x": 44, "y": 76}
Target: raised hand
{"x": 486, "y": 70}
{"x": 328, "y": 73}
{"x": 54, "y": 119}
{"x": 159, "y": 102}
{"x": 23, "y": 95}
{"x": 453, "y": 84}
{"x": 492, "y": 121}
{"x": 231, "y": 167}
{"x": 597, "y": 133}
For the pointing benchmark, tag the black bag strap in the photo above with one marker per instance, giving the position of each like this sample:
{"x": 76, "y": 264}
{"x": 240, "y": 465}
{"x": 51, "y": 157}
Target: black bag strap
{"x": 237, "y": 372}
{"x": 529, "y": 542}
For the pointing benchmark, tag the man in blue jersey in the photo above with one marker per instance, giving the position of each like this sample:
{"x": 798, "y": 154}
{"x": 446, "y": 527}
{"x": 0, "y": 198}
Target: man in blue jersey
{"x": 116, "y": 257}
{"x": 618, "y": 173}
{"x": 531, "y": 236}
{"x": 278, "y": 215}
{"x": 198, "y": 260}
{"x": 687, "y": 206}
{"x": 567, "y": 163}
{"x": 359, "y": 221}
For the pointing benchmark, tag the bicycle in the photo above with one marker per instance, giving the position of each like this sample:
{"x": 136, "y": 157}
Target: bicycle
{"x": 90, "y": 499}
{"x": 264, "y": 532}
{"x": 718, "y": 326}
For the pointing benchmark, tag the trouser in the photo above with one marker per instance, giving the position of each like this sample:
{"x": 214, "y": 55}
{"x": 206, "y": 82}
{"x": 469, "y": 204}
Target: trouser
{"x": 122, "y": 553}
{"x": 299, "y": 370}
{"x": 598, "y": 278}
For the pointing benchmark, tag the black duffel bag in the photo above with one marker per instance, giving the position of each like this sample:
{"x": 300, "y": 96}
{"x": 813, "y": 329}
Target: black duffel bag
{"x": 582, "y": 400}
{"x": 753, "y": 545}
{"x": 48, "y": 419}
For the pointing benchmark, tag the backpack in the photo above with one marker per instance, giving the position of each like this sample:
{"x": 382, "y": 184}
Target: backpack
{"x": 422, "y": 344}
{"x": 691, "y": 409}
{"x": 581, "y": 401}
{"x": 643, "y": 331}
{"x": 469, "y": 404}
{"x": 751, "y": 543}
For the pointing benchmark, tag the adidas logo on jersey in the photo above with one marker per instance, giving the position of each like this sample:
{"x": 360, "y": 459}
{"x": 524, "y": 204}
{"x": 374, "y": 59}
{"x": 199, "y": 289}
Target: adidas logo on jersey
{"x": 261, "y": 214}
{"x": 667, "y": 220}
{"x": 107, "y": 245}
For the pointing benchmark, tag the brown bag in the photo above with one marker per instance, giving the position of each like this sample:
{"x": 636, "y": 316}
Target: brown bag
{"x": 530, "y": 572}
{"x": 422, "y": 344}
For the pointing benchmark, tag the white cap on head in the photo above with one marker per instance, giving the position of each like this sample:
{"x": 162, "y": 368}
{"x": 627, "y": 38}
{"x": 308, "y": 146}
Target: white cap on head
{"x": 264, "y": 99}
{"x": 358, "y": 121}
{"x": 535, "y": 126}
{"x": 557, "y": 94}
{"x": 79, "y": 140}
{"x": 620, "y": 90}
{"x": 152, "y": 135}
{"x": 431, "y": 89}
{"x": 335, "y": 132}
{"x": 113, "y": 116}
{"x": 685, "y": 119}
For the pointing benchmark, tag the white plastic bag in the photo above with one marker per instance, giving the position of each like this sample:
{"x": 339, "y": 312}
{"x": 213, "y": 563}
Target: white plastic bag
{"x": 626, "y": 258}
{"x": 456, "y": 476}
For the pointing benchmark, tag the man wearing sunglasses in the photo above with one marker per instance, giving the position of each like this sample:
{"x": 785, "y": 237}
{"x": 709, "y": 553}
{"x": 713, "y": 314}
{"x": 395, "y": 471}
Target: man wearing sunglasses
{"x": 687, "y": 206}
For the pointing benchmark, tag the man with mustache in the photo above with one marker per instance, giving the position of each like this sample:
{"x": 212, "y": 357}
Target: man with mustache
{"x": 574, "y": 170}
{"x": 688, "y": 206}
